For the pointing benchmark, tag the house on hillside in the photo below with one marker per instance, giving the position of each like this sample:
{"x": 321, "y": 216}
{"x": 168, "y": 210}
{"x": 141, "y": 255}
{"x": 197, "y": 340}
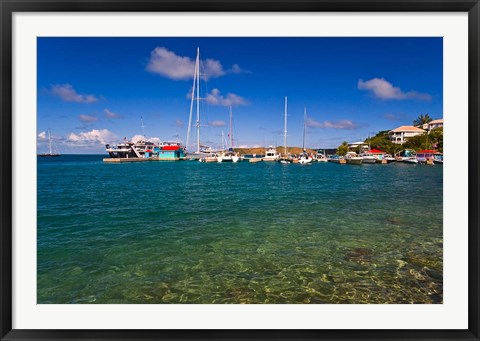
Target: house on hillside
{"x": 401, "y": 134}
{"x": 433, "y": 124}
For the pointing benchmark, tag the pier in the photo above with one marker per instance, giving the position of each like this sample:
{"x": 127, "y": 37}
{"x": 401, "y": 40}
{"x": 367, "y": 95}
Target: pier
{"x": 140, "y": 159}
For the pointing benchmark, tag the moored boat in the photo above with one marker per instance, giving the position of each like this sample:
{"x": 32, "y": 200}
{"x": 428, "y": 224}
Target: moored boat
{"x": 211, "y": 157}
{"x": 406, "y": 155}
{"x": 51, "y": 152}
{"x": 320, "y": 156}
{"x": 438, "y": 158}
{"x": 426, "y": 156}
{"x": 228, "y": 156}
{"x": 271, "y": 154}
{"x": 353, "y": 158}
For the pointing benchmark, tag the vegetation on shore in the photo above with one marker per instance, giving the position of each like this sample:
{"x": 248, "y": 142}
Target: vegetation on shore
{"x": 430, "y": 140}
{"x": 280, "y": 150}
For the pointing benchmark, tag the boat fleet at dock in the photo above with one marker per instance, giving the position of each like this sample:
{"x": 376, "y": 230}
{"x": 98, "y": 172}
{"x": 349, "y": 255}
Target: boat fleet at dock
{"x": 144, "y": 150}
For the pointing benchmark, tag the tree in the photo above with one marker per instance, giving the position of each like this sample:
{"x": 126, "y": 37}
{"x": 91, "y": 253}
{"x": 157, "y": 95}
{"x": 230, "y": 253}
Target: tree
{"x": 436, "y": 138}
{"x": 382, "y": 141}
{"x": 422, "y": 119}
{"x": 418, "y": 142}
{"x": 343, "y": 148}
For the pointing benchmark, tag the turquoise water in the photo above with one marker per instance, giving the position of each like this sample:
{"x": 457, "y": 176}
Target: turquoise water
{"x": 190, "y": 232}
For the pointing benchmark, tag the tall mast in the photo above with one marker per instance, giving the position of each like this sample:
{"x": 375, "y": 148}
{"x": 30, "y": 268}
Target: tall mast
{"x": 143, "y": 128}
{"x": 191, "y": 104}
{"x": 231, "y": 130}
{"x": 285, "y": 130}
{"x": 198, "y": 99}
{"x": 50, "y": 142}
{"x": 304, "y": 126}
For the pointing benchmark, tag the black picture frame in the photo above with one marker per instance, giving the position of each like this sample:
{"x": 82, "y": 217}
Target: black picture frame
{"x": 8, "y": 7}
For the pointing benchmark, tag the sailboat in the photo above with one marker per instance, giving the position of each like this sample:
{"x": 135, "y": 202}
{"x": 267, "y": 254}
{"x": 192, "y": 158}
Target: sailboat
{"x": 285, "y": 159}
{"x": 229, "y": 155}
{"x": 200, "y": 149}
{"x": 304, "y": 157}
{"x": 50, "y": 152}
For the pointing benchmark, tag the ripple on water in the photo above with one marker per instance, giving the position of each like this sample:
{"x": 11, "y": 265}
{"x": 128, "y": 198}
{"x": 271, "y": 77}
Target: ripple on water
{"x": 188, "y": 232}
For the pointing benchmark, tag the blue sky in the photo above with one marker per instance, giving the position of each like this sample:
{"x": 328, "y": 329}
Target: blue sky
{"x": 93, "y": 91}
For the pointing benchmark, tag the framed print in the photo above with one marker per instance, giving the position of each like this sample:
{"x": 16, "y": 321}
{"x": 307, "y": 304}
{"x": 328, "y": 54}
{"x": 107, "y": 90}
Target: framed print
{"x": 236, "y": 170}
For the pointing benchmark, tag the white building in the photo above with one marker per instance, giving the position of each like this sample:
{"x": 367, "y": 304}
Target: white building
{"x": 401, "y": 134}
{"x": 433, "y": 124}
{"x": 354, "y": 145}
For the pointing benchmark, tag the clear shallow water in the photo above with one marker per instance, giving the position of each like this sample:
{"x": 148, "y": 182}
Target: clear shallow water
{"x": 190, "y": 232}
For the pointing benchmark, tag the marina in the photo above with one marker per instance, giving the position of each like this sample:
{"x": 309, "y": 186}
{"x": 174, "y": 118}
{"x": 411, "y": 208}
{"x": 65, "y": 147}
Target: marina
{"x": 197, "y": 176}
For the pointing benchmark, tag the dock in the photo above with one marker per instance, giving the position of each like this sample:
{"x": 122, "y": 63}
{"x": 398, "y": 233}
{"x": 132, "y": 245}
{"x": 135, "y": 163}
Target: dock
{"x": 140, "y": 159}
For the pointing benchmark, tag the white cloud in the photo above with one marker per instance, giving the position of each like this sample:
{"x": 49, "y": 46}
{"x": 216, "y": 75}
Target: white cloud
{"x": 170, "y": 65}
{"x": 236, "y": 69}
{"x": 216, "y": 98}
{"x": 155, "y": 140}
{"x": 111, "y": 114}
{"x": 217, "y": 124}
{"x": 92, "y": 137}
{"x": 385, "y": 90}
{"x": 137, "y": 138}
{"x": 88, "y": 118}
{"x": 42, "y": 135}
{"x": 395, "y": 117}
{"x": 67, "y": 93}
{"x": 343, "y": 124}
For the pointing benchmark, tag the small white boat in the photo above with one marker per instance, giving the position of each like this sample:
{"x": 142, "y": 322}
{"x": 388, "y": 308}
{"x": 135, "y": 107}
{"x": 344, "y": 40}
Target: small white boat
{"x": 369, "y": 158}
{"x": 410, "y": 160}
{"x": 304, "y": 157}
{"x": 271, "y": 154}
{"x": 255, "y": 159}
{"x": 320, "y": 156}
{"x": 212, "y": 157}
{"x": 51, "y": 152}
{"x": 353, "y": 159}
{"x": 407, "y": 155}
{"x": 228, "y": 156}
{"x": 389, "y": 158}
{"x": 438, "y": 158}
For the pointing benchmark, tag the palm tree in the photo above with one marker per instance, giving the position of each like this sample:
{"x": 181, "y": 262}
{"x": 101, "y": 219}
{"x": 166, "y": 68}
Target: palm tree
{"x": 422, "y": 119}
{"x": 343, "y": 148}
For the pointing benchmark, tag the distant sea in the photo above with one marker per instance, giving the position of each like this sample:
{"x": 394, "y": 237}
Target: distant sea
{"x": 191, "y": 232}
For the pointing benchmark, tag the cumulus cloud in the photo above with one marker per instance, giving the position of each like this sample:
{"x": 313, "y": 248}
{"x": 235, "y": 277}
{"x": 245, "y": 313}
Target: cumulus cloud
{"x": 215, "y": 97}
{"x": 168, "y": 64}
{"x": 93, "y": 137}
{"x": 67, "y": 93}
{"x": 343, "y": 124}
{"x": 236, "y": 69}
{"x": 42, "y": 135}
{"x": 217, "y": 123}
{"x": 395, "y": 117}
{"x": 137, "y": 138}
{"x": 88, "y": 118}
{"x": 385, "y": 90}
{"x": 173, "y": 66}
{"x": 110, "y": 114}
